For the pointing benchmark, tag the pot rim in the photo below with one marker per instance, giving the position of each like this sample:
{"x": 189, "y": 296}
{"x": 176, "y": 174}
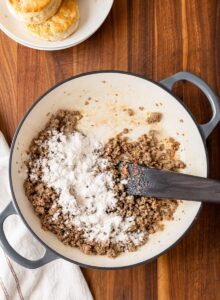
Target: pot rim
{"x": 23, "y": 121}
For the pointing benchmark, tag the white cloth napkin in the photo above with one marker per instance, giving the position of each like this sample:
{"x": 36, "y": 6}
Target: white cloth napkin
{"x": 54, "y": 281}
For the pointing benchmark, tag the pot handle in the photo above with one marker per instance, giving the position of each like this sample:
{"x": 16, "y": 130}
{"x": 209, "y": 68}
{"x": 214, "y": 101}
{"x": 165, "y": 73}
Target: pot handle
{"x": 211, "y": 96}
{"x": 30, "y": 264}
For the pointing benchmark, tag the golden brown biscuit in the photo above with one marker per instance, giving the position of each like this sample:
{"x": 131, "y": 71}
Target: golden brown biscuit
{"x": 61, "y": 25}
{"x": 34, "y": 11}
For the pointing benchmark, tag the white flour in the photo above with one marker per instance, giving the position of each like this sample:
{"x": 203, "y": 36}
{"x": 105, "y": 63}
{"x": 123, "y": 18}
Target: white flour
{"x": 84, "y": 194}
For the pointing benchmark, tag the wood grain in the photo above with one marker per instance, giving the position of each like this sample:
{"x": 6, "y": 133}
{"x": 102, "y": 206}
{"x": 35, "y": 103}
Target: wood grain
{"x": 155, "y": 39}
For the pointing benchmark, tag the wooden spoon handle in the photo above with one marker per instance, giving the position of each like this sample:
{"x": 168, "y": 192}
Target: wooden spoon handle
{"x": 165, "y": 184}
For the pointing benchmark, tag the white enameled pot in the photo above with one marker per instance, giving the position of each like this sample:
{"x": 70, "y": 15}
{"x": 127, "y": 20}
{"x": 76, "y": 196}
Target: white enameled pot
{"x": 104, "y": 117}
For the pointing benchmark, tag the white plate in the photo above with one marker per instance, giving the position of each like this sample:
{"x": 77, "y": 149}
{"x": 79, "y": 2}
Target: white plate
{"x": 92, "y": 14}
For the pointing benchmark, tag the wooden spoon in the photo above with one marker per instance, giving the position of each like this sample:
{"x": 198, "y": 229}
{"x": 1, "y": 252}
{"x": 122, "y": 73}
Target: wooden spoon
{"x": 143, "y": 181}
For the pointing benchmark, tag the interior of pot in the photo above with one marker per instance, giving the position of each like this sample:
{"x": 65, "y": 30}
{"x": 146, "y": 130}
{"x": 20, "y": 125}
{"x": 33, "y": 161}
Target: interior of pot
{"x": 104, "y": 117}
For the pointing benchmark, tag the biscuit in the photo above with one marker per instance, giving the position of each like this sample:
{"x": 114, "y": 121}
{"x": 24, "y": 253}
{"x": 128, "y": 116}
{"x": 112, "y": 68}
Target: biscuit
{"x": 34, "y": 11}
{"x": 61, "y": 25}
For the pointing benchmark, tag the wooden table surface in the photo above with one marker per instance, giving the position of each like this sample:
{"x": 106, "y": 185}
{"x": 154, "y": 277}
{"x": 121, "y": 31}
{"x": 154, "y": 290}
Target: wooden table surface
{"x": 154, "y": 39}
